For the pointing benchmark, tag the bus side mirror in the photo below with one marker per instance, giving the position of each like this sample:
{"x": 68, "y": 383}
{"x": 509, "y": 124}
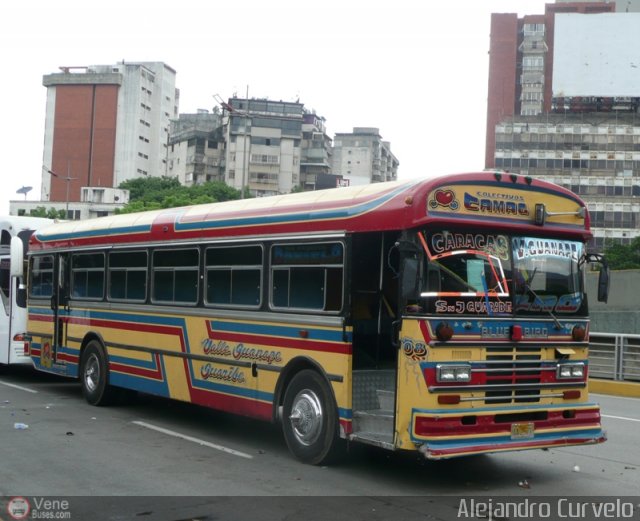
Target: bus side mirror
{"x": 409, "y": 288}
{"x": 603, "y": 277}
{"x": 21, "y": 296}
{"x": 17, "y": 257}
{"x": 603, "y": 284}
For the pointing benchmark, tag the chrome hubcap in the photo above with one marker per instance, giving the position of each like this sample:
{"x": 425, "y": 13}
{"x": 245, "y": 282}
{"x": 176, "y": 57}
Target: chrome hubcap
{"x": 92, "y": 373}
{"x": 306, "y": 417}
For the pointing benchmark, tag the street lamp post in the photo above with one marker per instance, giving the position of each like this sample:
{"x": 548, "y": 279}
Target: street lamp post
{"x": 68, "y": 178}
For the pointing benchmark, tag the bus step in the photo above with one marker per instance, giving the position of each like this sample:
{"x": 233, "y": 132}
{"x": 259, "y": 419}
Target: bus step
{"x": 386, "y": 399}
{"x": 374, "y": 438}
{"x": 375, "y": 421}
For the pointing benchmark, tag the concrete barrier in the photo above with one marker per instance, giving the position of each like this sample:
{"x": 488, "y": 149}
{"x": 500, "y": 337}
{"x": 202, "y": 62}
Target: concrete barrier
{"x": 628, "y": 389}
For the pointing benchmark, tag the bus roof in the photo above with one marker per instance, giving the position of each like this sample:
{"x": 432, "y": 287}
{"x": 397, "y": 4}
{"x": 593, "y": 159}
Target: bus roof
{"x": 491, "y": 199}
{"x": 16, "y": 223}
{"x": 12, "y": 225}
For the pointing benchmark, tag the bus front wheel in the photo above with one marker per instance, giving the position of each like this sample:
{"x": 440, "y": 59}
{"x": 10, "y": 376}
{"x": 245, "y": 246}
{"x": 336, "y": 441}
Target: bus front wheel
{"x": 94, "y": 375}
{"x": 310, "y": 421}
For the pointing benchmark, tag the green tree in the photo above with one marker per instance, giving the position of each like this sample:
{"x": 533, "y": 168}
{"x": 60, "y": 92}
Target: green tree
{"x": 50, "y": 213}
{"x": 623, "y": 256}
{"x": 150, "y": 188}
{"x": 164, "y": 192}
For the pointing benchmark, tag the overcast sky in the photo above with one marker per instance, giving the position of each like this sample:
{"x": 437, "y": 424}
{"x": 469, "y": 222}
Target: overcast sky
{"x": 415, "y": 69}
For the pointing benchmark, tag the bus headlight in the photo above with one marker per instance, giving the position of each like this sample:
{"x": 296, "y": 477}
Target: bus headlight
{"x": 453, "y": 373}
{"x": 567, "y": 371}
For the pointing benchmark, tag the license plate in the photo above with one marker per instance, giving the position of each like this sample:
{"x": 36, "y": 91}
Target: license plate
{"x": 522, "y": 431}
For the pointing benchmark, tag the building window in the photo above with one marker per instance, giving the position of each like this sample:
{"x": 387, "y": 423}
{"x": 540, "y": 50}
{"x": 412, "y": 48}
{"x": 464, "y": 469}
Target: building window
{"x": 265, "y": 159}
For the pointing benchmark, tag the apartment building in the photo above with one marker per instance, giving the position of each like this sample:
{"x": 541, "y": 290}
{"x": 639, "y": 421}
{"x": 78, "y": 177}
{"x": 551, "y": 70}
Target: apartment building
{"x": 362, "y": 157}
{"x": 197, "y": 148}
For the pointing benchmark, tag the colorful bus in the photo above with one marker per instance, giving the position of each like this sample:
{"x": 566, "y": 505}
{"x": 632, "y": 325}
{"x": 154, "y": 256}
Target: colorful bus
{"x": 446, "y": 316}
{"x": 15, "y": 232}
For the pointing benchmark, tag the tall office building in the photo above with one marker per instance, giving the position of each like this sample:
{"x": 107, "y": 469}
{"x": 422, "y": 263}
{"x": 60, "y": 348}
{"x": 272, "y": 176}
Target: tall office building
{"x": 105, "y": 124}
{"x": 564, "y": 95}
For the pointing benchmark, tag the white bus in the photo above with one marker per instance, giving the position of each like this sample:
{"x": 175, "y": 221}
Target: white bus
{"x": 15, "y": 232}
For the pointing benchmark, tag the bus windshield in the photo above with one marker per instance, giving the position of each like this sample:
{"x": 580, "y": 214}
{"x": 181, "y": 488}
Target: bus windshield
{"x": 547, "y": 276}
{"x": 489, "y": 274}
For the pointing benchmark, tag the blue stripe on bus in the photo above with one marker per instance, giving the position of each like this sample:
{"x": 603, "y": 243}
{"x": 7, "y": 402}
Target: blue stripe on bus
{"x": 139, "y": 383}
{"x": 94, "y": 233}
{"x": 112, "y": 315}
{"x": 271, "y": 330}
{"x": 347, "y": 414}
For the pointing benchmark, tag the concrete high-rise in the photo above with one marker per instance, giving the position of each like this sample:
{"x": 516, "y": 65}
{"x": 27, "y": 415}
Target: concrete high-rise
{"x": 263, "y": 140}
{"x": 521, "y": 63}
{"x": 362, "y": 157}
{"x": 105, "y": 124}
{"x": 558, "y": 110}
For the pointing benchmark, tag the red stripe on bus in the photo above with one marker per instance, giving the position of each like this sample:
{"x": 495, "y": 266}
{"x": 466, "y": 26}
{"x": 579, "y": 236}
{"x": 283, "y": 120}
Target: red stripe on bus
{"x": 137, "y": 371}
{"x": 290, "y": 343}
{"x": 234, "y": 404}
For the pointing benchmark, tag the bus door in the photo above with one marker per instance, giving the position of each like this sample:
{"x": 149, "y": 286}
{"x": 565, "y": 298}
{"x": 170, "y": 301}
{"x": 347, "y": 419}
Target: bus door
{"x": 59, "y": 304}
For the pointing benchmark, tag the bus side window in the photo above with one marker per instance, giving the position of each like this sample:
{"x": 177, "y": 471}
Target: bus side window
{"x": 41, "y": 276}
{"x": 175, "y": 276}
{"x": 233, "y": 276}
{"x": 307, "y": 276}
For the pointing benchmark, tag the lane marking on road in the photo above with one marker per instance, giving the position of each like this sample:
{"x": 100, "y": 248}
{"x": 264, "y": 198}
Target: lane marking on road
{"x": 619, "y": 418}
{"x": 194, "y": 440}
{"x": 26, "y": 389}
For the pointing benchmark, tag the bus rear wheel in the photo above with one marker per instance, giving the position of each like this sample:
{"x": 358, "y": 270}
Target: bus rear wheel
{"x": 310, "y": 421}
{"x": 94, "y": 375}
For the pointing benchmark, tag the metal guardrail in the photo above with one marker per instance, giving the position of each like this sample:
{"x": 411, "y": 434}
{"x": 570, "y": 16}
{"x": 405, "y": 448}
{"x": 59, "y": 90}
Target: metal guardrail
{"x": 614, "y": 356}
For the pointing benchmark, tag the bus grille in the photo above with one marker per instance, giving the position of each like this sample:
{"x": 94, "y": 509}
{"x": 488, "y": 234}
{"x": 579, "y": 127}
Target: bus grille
{"x": 509, "y": 366}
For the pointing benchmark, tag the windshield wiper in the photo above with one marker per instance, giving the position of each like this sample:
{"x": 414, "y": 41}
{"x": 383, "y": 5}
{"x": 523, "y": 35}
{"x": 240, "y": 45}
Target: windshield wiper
{"x": 538, "y": 298}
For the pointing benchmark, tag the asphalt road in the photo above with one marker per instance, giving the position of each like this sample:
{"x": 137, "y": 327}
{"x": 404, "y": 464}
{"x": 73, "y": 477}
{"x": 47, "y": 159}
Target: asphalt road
{"x": 155, "y": 459}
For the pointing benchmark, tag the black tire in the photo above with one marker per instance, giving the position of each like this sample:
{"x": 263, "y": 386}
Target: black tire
{"x": 310, "y": 419}
{"x": 94, "y": 375}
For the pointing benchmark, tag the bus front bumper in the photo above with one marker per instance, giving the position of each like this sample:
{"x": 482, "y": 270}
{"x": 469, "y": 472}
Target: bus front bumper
{"x": 450, "y": 434}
